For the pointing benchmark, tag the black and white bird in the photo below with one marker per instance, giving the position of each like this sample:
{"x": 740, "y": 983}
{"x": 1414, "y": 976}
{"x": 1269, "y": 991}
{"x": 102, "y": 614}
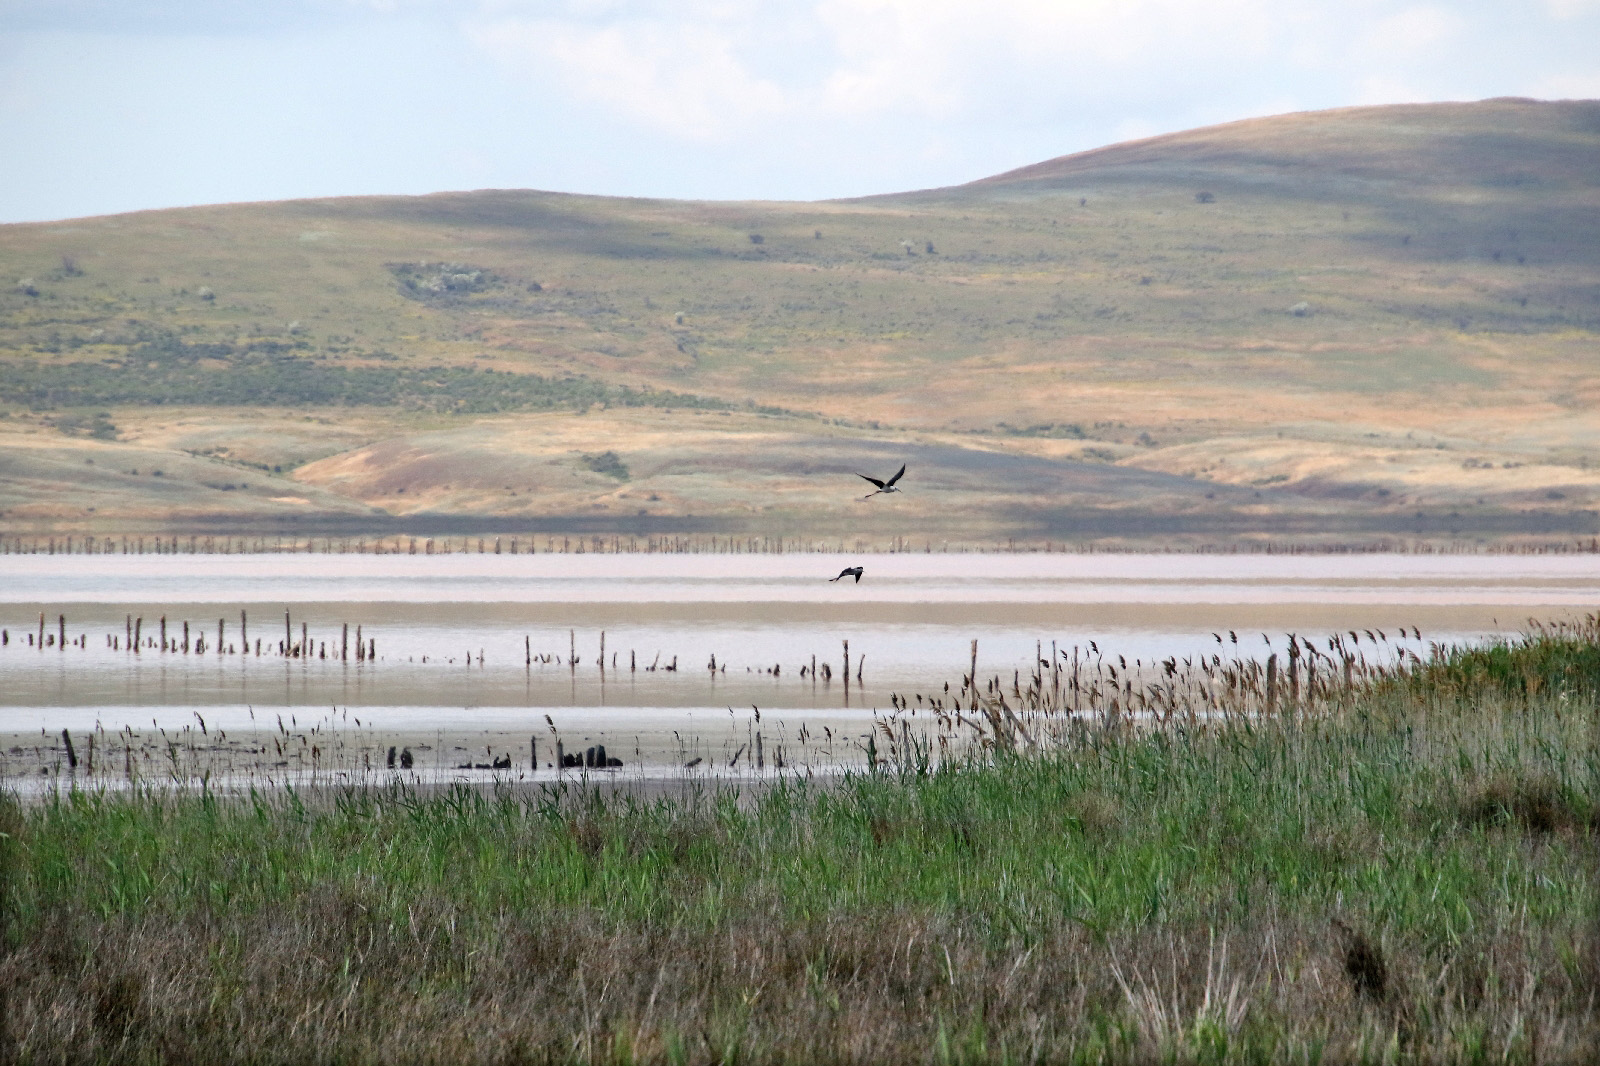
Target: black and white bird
{"x": 849, "y": 571}
{"x": 883, "y": 486}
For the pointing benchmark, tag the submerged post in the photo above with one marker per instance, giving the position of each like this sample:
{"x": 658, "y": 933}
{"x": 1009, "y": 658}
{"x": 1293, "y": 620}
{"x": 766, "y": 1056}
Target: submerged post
{"x": 847, "y": 671}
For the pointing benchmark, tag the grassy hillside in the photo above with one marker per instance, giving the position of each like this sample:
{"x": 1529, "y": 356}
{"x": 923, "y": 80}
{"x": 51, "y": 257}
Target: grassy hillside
{"x": 1316, "y": 324}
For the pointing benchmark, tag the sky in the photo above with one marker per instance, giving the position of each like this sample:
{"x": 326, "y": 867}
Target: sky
{"x": 119, "y": 105}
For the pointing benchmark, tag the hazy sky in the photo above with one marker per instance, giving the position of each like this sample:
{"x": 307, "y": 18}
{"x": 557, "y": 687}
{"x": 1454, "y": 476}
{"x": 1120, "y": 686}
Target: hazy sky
{"x": 114, "y": 105}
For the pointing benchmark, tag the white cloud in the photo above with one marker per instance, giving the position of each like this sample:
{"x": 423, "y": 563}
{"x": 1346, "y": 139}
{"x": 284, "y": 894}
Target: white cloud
{"x": 1568, "y": 9}
{"x": 1413, "y": 32}
{"x": 687, "y": 80}
{"x": 707, "y": 69}
{"x": 1567, "y": 87}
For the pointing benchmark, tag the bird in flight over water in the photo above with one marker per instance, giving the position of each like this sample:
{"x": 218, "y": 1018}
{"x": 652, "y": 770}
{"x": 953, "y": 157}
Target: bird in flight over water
{"x": 883, "y": 486}
{"x": 849, "y": 571}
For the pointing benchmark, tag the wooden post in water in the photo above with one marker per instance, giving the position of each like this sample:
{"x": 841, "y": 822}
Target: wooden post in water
{"x": 244, "y": 632}
{"x": 344, "y": 643}
{"x": 163, "y": 632}
{"x": 138, "y": 632}
{"x": 288, "y": 634}
{"x": 602, "y": 651}
{"x": 533, "y": 752}
{"x": 72, "y": 756}
{"x": 305, "y": 640}
{"x": 62, "y": 620}
{"x": 572, "y": 649}
{"x": 972, "y": 678}
{"x": 41, "y": 631}
{"x": 186, "y": 636}
{"x": 847, "y": 671}
{"x": 221, "y": 647}
{"x": 527, "y": 652}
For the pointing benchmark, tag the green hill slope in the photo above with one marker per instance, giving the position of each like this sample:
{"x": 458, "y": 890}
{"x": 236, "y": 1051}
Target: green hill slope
{"x": 1314, "y": 324}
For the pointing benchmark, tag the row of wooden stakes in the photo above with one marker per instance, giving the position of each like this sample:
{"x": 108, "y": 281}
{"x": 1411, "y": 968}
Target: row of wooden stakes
{"x": 134, "y": 640}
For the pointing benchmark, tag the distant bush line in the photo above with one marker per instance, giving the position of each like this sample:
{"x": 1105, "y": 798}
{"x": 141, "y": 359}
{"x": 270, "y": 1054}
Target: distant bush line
{"x": 275, "y": 374}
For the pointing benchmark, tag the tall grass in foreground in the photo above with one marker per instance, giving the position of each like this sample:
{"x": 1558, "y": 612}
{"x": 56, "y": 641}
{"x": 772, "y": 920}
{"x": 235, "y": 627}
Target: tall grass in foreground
{"x": 1414, "y": 879}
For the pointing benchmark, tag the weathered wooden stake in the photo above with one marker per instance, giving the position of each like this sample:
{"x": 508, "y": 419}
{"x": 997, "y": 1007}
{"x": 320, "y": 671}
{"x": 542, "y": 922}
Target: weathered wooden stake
{"x": 72, "y": 756}
{"x": 1272, "y": 683}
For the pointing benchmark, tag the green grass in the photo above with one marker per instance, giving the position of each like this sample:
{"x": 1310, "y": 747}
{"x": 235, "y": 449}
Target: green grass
{"x": 1416, "y": 879}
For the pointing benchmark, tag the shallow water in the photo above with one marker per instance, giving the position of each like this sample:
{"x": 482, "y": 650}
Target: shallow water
{"x": 909, "y": 624}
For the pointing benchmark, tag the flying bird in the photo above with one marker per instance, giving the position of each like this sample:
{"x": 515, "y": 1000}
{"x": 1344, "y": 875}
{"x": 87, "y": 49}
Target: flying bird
{"x": 883, "y": 486}
{"x": 849, "y": 571}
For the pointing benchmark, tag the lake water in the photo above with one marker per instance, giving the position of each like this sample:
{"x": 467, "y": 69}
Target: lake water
{"x": 453, "y": 633}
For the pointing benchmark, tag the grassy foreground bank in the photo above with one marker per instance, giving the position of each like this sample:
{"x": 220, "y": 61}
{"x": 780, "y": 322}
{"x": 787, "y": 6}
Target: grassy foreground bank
{"x": 1415, "y": 880}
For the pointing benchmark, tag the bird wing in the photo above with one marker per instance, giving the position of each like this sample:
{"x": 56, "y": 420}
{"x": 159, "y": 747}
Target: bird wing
{"x": 858, "y": 575}
{"x": 874, "y": 480}
{"x": 896, "y": 477}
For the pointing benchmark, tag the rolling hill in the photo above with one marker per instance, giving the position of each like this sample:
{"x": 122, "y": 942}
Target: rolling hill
{"x": 1326, "y": 327}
